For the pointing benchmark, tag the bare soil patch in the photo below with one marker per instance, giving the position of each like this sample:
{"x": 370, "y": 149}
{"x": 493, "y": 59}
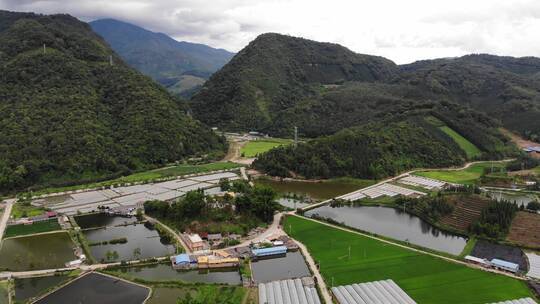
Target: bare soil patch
{"x": 521, "y": 142}
{"x": 525, "y": 229}
{"x": 487, "y": 250}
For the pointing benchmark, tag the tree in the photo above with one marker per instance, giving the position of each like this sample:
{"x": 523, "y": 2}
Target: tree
{"x": 136, "y": 253}
{"x": 224, "y": 184}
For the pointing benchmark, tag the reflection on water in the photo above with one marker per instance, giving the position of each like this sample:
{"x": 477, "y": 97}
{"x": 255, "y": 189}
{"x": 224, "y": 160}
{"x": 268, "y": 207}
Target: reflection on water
{"x": 291, "y": 265}
{"x": 519, "y": 199}
{"x": 315, "y": 190}
{"x": 142, "y": 242}
{"x": 291, "y": 203}
{"x": 164, "y": 272}
{"x": 395, "y": 224}
{"x": 102, "y": 220}
{"x": 32, "y": 287}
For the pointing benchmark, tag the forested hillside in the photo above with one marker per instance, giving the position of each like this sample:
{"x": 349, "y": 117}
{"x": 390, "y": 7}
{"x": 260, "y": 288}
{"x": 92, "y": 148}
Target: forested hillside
{"x": 67, "y": 114}
{"x": 178, "y": 65}
{"x": 276, "y": 73}
{"x": 388, "y": 146}
{"x": 505, "y": 88}
{"x": 279, "y": 81}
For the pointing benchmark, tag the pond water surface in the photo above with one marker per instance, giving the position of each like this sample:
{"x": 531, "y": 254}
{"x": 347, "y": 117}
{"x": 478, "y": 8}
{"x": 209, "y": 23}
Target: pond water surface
{"x": 291, "y": 203}
{"x": 95, "y": 288}
{"x": 138, "y": 236}
{"x": 44, "y": 251}
{"x": 519, "y": 199}
{"x": 164, "y": 272}
{"x": 395, "y": 224}
{"x": 315, "y": 190}
{"x": 32, "y": 287}
{"x": 292, "y": 265}
{"x": 102, "y": 220}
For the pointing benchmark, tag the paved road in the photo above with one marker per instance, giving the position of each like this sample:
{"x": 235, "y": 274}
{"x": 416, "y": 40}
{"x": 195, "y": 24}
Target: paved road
{"x": 5, "y": 216}
{"x": 171, "y": 231}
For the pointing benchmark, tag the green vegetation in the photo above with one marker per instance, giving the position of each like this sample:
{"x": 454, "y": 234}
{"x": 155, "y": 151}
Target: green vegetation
{"x": 425, "y": 278}
{"x": 373, "y": 151}
{"x": 24, "y": 209}
{"x": 465, "y": 176}
{"x": 4, "y": 292}
{"x": 68, "y": 116}
{"x": 203, "y": 213}
{"x": 256, "y": 147}
{"x": 470, "y": 149}
{"x": 495, "y": 220}
{"x": 147, "y": 176}
{"x": 469, "y": 247}
{"x": 196, "y": 294}
{"x": 37, "y": 227}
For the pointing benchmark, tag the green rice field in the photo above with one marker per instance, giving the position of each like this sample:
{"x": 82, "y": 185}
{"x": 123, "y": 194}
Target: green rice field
{"x": 427, "y": 279}
{"x": 38, "y": 227}
{"x": 470, "y": 149}
{"x": 252, "y": 148}
{"x": 466, "y": 176}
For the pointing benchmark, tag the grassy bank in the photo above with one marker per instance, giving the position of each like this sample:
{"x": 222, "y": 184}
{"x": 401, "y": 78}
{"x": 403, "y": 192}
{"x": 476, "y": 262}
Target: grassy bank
{"x": 466, "y": 176}
{"x": 25, "y": 210}
{"x": 38, "y": 227}
{"x": 252, "y": 148}
{"x": 470, "y": 149}
{"x": 147, "y": 176}
{"x": 425, "y": 278}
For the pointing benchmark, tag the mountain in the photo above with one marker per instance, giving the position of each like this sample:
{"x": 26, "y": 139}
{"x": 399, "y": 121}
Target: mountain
{"x": 161, "y": 57}
{"x": 506, "y": 88}
{"x": 278, "y": 81}
{"x": 68, "y": 114}
{"x": 276, "y": 73}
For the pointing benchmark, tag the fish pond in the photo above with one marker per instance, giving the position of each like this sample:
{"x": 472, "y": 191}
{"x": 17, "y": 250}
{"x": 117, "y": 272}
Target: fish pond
{"x": 43, "y": 251}
{"x": 141, "y": 242}
{"x": 164, "y": 272}
{"x": 315, "y": 190}
{"x": 517, "y": 198}
{"x": 96, "y": 220}
{"x": 292, "y": 203}
{"x": 32, "y": 287}
{"x": 95, "y": 288}
{"x": 395, "y": 224}
{"x": 290, "y": 265}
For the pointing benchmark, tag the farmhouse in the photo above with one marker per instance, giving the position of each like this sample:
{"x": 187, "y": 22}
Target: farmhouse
{"x": 194, "y": 242}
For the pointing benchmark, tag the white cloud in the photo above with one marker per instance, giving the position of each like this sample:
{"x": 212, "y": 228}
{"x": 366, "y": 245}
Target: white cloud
{"x": 403, "y": 31}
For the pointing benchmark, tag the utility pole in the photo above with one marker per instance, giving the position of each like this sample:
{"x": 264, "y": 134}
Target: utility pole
{"x": 349, "y": 252}
{"x": 295, "y": 136}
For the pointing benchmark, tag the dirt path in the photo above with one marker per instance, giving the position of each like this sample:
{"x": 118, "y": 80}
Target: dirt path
{"x": 520, "y": 141}
{"x": 5, "y": 217}
{"x": 234, "y": 151}
{"x": 274, "y": 229}
{"x": 171, "y": 231}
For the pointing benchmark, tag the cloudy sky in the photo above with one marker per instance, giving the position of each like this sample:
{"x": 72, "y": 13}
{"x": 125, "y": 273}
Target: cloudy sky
{"x": 403, "y": 31}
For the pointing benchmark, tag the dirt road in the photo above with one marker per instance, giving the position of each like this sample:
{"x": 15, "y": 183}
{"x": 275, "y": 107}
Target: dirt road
{"x": 521, "y": 142}
{"x": 5, "y": 217}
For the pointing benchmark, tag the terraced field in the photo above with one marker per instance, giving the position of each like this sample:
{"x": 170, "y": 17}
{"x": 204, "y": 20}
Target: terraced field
{"x": 467, "y": 209}
{"x": 525, "y": 230}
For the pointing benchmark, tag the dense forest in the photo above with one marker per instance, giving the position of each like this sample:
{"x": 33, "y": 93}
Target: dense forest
{"x": 67, "y": 114}
{"x": 495, "y": 220}
{"x": 279, "y": 81}
{"x": 387, "y": 147}
{"x": 198, "y": 212}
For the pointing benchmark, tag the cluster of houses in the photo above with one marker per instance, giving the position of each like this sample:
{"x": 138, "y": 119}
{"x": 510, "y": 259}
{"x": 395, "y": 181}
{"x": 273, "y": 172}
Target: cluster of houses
{"x": 203, "y": 257}
{"x": 494, "y": 263}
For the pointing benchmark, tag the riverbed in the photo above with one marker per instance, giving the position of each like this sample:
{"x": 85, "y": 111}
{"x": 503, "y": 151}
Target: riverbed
{"x": 395, "y": 224}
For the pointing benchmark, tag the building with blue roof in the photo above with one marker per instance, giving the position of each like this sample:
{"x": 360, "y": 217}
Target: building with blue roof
{"x": 181, "y": 261}
{"x": 261, "y": 252}
{"x": 505, "y": 265}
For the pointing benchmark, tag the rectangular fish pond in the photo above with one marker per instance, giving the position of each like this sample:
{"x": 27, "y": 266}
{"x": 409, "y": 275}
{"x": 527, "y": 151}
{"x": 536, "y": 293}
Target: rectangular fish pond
{"x": 32, "y": 287}
{"x": 164, "y": 272}
{"x": 96, "y": 288}
{"x": 131, "y": 242}
{"x": 97, "y": 220}
{"x": 43, "y": 251}
{"x": 288, "y": 266}
{"x": 395, "y": 224}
